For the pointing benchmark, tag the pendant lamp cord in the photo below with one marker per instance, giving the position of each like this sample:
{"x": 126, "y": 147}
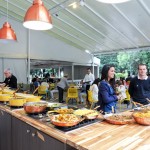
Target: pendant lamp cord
{"x": 7, "y": 10}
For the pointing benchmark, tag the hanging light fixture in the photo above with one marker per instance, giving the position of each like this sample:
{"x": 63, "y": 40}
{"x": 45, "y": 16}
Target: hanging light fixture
{"x": 7, "y": 34}
{"x": 37, "y": 17}
{"x": 73, "y": 5}
{"x": 113, "y": 1}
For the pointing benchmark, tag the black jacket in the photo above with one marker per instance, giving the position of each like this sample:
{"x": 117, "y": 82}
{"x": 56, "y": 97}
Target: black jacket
{"x": 11, "y": 81}
{"x": 139, "y": 90}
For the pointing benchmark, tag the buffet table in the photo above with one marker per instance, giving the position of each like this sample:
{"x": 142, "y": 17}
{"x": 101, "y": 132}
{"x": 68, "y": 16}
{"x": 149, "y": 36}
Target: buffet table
{"x": 97, "y": 136}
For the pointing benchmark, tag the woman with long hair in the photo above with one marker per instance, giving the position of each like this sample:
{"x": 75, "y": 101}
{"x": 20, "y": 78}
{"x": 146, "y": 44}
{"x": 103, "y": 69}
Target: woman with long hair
{"x": 94, "y": 89}
{"x": 107, "y": 98}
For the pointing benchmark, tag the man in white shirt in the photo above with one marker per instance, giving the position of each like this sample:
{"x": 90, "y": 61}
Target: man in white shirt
{"x": 88, "y": 79}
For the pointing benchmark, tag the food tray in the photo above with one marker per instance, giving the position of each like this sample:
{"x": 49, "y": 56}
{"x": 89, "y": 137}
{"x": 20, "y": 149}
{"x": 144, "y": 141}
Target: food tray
{"x": 62, "y": 111}
{"x": 35, "y": 107}
{"x": 117, "y": 121}
{"x": 141, "y": 120}
{"x": 56, "y": 122}
{"x": 88, "y": 114}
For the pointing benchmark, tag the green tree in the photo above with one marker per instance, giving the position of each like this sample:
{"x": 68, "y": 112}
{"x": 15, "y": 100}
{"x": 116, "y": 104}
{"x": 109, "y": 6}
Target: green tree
{"x": 124, "y": 61}
{"x": 127, "y": 60}
{"x": 108, "y": 59}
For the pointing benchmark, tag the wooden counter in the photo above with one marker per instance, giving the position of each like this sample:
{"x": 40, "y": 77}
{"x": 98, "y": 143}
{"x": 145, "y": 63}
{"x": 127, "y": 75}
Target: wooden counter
{"x": 98, "y": 136}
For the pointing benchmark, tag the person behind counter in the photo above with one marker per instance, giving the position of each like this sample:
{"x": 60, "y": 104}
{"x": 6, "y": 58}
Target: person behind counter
{"x": 82, "y": 92}
{"x": 107, "y": 98}
{"x": 10, "y": 79}
{"x": 61, "y": 85}
{"x": 139, "y": 88}
{"x": 94, "y": 89}
{"x": 88, "y": 80}
{"x": 36, "y": 82}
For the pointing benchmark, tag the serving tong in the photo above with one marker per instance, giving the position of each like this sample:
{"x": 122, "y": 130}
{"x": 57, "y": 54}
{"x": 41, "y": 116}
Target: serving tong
{"x": 136, "y": 104}
{"x": 148, "y": 100}
{"x": 15, "y": 92}
{"x": 35, "y": 90}
{"x": 100, "y": 111}
{"x": 143, "y": 108}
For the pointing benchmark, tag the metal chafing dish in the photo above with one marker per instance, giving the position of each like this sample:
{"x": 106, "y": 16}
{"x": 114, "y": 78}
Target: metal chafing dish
{"x": 35, "y": 107}
{"x": 29, "y": 97}
{"x": 5, "y": 97}
{"x": 17, "y": 101}
{"x": 65, "y": 120}
{"x": 88, "y": 114}
{"x": 119, "y": 119}
{"x": 142, "y": 116}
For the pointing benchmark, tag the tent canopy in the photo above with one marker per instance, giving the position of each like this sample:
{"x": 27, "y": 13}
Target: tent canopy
{"x": 93, "y": 26}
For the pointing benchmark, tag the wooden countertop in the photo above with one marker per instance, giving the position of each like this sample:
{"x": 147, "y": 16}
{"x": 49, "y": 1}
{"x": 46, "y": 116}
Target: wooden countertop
{"x": 98, "y": 136}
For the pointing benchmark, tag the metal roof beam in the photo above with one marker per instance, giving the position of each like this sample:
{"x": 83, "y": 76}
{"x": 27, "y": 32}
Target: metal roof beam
{"x": 144, "y": 6}
{"x": 59, "y": 4}
{"x": 69, "y": 12}
{"x": 10, "y": 16}
{"x": 81, "y": 32}
{"x": 16, "y": 5}
{"x": 88, "y": 24}
{"x": 99, "y": 16}
{"x": 22, "y": 16}
{"x": 121, "y": 13}
{"x": 116, "y": 51}
{"x": 73, "y": 36}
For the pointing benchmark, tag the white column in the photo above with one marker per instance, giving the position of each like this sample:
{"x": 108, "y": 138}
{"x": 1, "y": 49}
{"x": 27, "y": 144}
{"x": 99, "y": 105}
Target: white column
{"x": 59, "y": 71}
{"x": 3, "y": 68}
{"x": 28, "y": 56}
{"x": 72, "y": 72}
{"x": 93, "y": 64}
{"x": 98, "y": 71}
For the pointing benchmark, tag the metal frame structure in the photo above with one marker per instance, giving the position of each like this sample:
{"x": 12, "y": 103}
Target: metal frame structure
{"x": 98, "y": 27}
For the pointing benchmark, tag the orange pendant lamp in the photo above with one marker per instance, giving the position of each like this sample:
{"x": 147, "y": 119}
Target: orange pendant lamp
{"x": 37, "y": 17}
{"x": 7, "y": 33}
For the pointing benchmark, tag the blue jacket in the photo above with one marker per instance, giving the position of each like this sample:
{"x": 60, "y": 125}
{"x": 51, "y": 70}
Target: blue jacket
{"x": 106, "y": 97}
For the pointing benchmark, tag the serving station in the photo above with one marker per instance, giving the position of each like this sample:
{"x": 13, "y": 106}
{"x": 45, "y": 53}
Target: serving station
{"x": 25, "y": 129}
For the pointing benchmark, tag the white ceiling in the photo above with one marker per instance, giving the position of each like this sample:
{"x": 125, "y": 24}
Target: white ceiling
{"x": 97, "y": 27}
